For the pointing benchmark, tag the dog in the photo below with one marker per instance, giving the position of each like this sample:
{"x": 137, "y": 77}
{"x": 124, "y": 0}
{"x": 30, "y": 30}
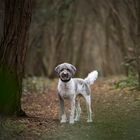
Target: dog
{"x": 71, "y": 88}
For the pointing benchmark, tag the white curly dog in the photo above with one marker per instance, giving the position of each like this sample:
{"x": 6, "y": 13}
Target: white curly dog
{"x": 70, "y": 88}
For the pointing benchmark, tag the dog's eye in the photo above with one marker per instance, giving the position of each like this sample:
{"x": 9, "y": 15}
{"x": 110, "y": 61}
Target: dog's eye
{"x": 68, "y": 69}
{"x": 61, "y": 70}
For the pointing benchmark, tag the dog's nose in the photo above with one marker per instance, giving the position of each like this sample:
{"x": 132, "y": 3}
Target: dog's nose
{"x": 65, "y": 74}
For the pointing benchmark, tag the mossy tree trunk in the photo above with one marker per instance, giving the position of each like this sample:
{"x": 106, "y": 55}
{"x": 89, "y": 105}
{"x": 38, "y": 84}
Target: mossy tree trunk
{"x": 13, "y": 47}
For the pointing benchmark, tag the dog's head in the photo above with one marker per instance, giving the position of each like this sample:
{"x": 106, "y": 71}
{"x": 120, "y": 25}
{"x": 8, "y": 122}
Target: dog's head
{"x": 65, "y": 71}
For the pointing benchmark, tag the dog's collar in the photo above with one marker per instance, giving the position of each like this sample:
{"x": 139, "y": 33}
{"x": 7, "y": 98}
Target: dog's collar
{"x": 65, "y": 81}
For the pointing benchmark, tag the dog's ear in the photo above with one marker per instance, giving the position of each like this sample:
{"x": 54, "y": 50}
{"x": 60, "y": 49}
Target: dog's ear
{"x": 57, "y": 69}
{"x": 73, "y": 69}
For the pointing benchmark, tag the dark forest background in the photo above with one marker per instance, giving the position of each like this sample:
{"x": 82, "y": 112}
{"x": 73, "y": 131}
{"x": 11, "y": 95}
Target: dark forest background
{"x": 90, "y": 34}
{"x": 37, "y": 35}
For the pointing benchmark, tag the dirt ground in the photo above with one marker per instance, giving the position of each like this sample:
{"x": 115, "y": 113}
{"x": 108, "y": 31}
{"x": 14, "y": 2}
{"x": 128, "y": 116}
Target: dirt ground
{"x": 116, "y": 116}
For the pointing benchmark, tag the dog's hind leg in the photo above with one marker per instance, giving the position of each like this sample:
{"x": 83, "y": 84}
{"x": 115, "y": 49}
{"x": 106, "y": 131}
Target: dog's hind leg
{"x": 88, "y": 103}
{"x": 77, "y": 109}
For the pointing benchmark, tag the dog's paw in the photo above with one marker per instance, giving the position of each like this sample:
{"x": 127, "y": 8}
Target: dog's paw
{"x": 63, "y": 121}
{"x": 89, "y": 121}
{"x": 77, "y": 119}
{"x": 71, "y": 121}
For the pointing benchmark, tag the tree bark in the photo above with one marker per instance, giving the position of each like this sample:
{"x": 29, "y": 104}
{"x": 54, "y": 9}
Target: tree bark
{"x": 13, "y": 47}
{"x": 138, "y": 39}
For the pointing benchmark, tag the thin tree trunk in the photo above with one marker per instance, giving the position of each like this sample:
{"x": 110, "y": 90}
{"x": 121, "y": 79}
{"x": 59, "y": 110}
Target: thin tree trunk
{"x": 107, "y": 48}
{"x": 138, "y": 40}
{"x": 78, "y": 62}
{"x": 13, "y": 47}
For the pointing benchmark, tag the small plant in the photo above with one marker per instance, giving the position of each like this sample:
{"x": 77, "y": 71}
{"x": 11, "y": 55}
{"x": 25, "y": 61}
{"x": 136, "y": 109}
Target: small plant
{"x": 129, "y": 81}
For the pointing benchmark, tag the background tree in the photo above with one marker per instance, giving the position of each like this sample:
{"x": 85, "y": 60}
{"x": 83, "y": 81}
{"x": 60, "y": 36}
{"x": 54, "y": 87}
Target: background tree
{"x": 105, "y": 33}
{"x": 13, "y": 46}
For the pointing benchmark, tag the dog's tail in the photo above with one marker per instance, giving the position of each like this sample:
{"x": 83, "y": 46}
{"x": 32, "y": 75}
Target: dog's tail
{"x": 91, "y": 77}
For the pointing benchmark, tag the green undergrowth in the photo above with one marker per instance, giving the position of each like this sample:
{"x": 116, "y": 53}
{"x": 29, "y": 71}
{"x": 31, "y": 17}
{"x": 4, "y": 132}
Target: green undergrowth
{"x": 130, "y": 81}
{"x": 11, "y": 130}
{"x": 37, "y": 84}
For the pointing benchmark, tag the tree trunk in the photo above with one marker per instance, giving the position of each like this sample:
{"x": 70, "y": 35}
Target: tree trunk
{"x": 138, "y": 40}
{"x": 13, "y": 47}
{"x": 78, "y": 62}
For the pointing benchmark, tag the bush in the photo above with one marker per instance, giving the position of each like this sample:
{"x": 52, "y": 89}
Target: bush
{"x": 129, "y": 81}
{"x": 34, "y": 84}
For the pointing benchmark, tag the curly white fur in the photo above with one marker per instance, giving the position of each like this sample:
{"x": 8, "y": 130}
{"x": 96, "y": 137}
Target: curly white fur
{"x": 92, "y": 76}
{"x": 71, "y": 89}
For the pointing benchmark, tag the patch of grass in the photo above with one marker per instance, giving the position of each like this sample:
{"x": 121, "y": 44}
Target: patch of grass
{"x": 130, "y": 81}
{"x": 102, "y": 130}
{"x": 11, "y": 130}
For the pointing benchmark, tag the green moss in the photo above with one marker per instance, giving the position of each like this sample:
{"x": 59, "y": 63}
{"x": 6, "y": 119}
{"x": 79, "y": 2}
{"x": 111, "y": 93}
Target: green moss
{"x": 9, "y": 92}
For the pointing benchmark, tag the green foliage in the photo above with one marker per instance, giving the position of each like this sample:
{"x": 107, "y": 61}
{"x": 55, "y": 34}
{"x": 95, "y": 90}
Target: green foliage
{"x": 34, "y": 84}
{"x": 132, "y": 78}
{"x": 129, "y": 81}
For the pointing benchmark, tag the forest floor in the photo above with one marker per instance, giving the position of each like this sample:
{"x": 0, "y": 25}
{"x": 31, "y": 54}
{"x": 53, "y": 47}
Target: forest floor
{"x": 116, "y": 116}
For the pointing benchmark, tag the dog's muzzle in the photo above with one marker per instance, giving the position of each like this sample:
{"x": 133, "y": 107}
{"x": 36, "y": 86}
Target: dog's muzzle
{"x": 65, "y": 76}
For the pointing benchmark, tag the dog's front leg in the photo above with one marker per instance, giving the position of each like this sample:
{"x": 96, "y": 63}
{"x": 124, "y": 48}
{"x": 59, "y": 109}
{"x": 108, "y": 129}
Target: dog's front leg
{"x": 63, "y": 117}
{"x": 72, "y": 102}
